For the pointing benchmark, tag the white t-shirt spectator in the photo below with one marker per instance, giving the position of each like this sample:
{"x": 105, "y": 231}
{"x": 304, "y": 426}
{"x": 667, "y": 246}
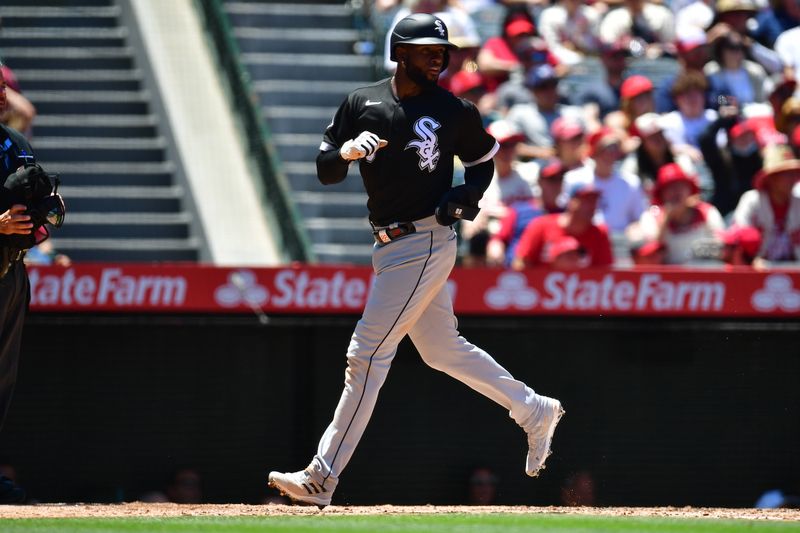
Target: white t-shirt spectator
{"x": 679, "y": 129}
{"x": 680, "y": 243}
{"x": 618, "y": 23}
{"x": 788, "y": 48}
{"x": 622, "y": 200}
{"x": 557, "y": 27}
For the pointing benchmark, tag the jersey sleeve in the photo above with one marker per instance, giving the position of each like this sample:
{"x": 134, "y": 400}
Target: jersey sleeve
{"x": 340, "y": 130}
{"x": 474, "y": 145}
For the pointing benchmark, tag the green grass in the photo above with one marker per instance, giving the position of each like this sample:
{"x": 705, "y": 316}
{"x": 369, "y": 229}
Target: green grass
{"x": 478, "y": 523}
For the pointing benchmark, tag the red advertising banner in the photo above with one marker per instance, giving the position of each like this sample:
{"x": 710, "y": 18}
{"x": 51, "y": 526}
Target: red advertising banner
{"x": 193, "y": 288}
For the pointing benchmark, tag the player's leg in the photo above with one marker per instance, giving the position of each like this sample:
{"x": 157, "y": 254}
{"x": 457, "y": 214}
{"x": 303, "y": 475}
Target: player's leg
{"x": 437, "y": 339}
{"x": 409, "y": 274}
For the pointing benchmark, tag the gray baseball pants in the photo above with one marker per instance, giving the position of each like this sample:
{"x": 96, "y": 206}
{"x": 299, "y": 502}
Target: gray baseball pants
{"x": 410, "y": 297}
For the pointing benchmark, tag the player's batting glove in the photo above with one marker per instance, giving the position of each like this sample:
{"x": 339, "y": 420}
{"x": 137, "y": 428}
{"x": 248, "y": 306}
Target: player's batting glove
{"x": 458, "y": 203}
{"x": 366, "y": 144}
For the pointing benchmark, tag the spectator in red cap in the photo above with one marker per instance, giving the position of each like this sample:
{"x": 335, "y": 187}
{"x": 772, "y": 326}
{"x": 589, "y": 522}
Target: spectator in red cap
{"x": 503, "y": 242}
{"x": 622, "y": 200}
{"x": 636, "y": 99}
{"x": 470, "y": 86}
{"x": 569, "y": 138}
{"x": 740, "y": 246}
{"x": 570, "y": 28}
{"x": 507, "y": 186}
{"x": 500, "y": 56}
{"x": 678, "y": 217}
{"x": 773, "y": 206}
{"x": 733, "y": 165}
{"x": 576, "y": 221}
{"x": 647, "y": 24}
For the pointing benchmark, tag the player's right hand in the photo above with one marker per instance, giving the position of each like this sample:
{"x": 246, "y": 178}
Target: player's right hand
{"x": 15, "y": 221}
{"x": 366, "y": 144}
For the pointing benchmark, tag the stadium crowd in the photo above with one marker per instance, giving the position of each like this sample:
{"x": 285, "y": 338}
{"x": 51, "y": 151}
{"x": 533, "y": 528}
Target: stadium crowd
{"x": 631, "y": 132}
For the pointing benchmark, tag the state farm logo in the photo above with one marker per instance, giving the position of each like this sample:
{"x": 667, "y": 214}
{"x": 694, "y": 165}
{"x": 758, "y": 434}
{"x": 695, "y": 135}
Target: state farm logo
{"x": 778, "y": 293}
{"x": 562, "y": 291}
{"x": 511, "y": 291}
{"x": 242, "y": 287}
{"x": 293, "y": 289}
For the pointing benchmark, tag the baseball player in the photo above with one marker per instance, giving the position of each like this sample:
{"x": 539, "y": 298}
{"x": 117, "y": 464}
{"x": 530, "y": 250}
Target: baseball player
{"x": 404, "y": 132}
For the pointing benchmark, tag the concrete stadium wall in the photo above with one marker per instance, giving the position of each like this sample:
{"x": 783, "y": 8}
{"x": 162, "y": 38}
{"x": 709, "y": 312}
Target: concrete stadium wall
{"x": 661, "y": 412}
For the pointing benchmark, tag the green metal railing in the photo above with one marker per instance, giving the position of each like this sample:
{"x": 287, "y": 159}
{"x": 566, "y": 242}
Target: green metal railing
{"x": 275, "y": 195}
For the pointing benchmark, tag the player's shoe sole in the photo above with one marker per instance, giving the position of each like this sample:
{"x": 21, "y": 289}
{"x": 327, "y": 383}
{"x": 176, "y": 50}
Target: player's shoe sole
{"x": 540, "y": 437}
{"x": 301, "y": 488}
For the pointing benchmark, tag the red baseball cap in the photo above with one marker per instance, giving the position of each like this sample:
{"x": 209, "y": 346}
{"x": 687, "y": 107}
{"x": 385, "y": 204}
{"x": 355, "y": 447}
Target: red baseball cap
{"x": 552, "y": 170}
{"x": 564, "y": 128}
{"x": 520, "y": 26}
{"x": 505, "y": 132}
{"x": 464, "y": 81}
{"x": 634, "y": 86}
{"x": 602, "y": 138}
{"x": 740, "y": 128}
{"x": 672, "y": 173}
{"x": 747, "y": 237}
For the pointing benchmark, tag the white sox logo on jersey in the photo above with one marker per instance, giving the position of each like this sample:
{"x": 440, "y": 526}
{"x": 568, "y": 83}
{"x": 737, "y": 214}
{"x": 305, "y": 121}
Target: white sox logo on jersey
{"x": 428, "y": 145}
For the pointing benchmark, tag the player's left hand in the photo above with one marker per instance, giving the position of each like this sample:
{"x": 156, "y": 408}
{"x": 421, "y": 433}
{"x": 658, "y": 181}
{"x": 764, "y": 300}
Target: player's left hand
{"x": 463, "y": 196}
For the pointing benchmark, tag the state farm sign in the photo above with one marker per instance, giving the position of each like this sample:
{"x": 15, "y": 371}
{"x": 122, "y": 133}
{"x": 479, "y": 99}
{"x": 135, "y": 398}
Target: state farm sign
{"x": 111, "y": 286}
{"x": 569, "y": 291}
{"x": 293, "y": 289}
{"x": 189, "y": 288}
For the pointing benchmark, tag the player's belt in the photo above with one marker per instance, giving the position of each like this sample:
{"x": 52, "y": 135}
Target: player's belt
{"x": 385, "y": 235}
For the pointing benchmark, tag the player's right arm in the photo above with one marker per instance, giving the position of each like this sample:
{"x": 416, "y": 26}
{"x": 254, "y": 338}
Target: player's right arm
{"x": 331, "y": 167}
{"x": 340, "y": 146}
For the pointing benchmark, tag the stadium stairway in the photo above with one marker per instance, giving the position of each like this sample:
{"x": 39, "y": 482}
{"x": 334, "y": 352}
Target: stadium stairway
{"x": 96, "y": 128}
{"x": 301, "y": 60}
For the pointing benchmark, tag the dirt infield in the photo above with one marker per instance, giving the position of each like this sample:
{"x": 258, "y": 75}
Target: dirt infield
{"x": 160, "y": 510}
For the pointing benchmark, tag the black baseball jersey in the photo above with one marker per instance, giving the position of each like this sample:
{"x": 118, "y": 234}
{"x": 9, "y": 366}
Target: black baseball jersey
{"x": 406, "y": 179}
{"x": 15, "y": 151}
